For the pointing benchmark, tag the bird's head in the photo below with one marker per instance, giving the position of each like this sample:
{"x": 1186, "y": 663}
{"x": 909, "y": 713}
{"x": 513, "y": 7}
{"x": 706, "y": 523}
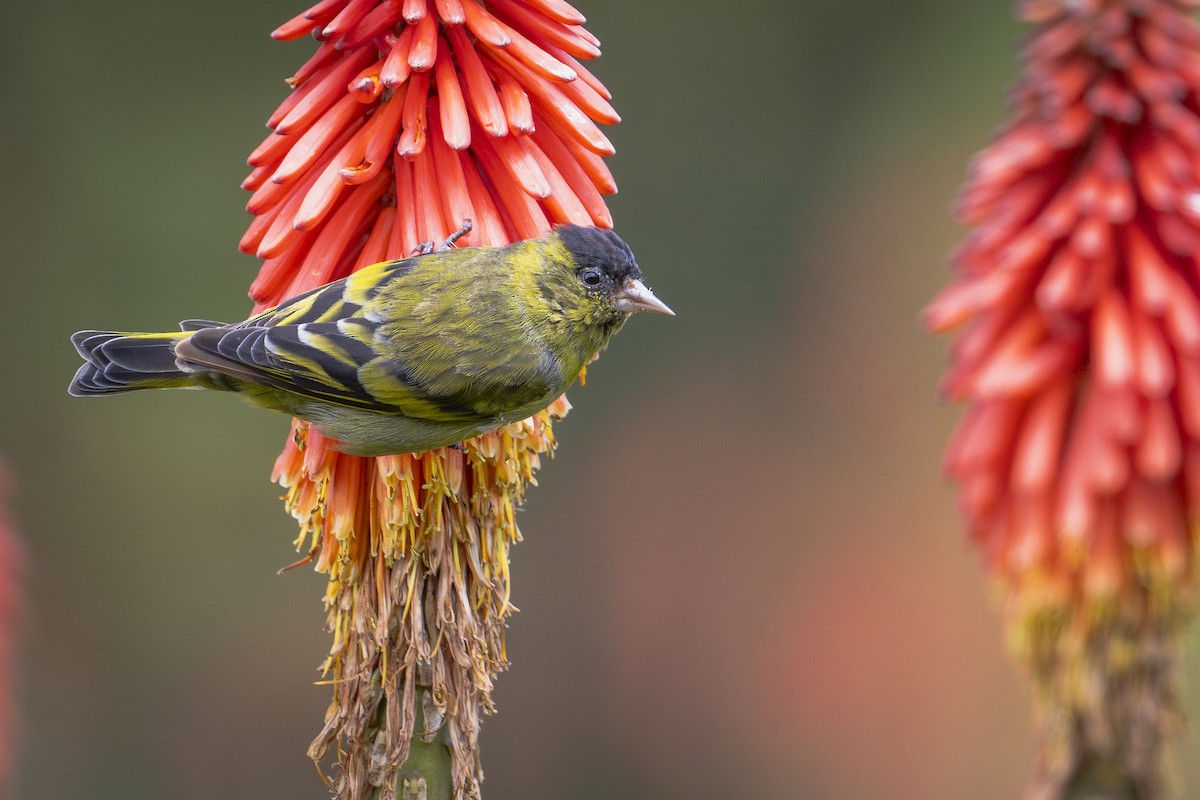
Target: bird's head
{"x": 604, "y": 285}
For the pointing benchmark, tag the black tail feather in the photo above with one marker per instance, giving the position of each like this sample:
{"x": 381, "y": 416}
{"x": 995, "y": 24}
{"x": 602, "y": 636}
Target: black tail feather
{"x": 117, "y": 362}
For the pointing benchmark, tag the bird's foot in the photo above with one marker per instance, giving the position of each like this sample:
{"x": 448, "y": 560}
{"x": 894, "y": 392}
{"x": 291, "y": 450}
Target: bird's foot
{"x": 458, "y": 234}
{"x": 425, "y": 248}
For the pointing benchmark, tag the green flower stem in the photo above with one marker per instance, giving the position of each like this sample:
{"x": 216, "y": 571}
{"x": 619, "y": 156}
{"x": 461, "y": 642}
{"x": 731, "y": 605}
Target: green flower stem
{"x": 427, "y": 774}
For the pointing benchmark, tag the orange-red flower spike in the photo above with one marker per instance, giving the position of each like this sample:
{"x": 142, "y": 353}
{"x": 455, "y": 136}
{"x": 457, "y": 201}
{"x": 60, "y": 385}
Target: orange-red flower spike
{"x": 367, "y": 185}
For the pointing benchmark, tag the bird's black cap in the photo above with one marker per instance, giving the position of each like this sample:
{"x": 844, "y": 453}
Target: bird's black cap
{"x": 600, "y": 248}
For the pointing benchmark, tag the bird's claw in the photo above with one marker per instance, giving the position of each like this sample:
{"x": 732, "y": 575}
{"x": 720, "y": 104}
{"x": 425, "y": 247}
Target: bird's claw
{"x": 467, "y": 225}
{"x": 425, "y": 248}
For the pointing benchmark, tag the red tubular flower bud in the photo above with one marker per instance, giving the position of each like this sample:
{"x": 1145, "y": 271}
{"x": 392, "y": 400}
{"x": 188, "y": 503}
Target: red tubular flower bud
{"x": 306, "y": 149}
{"x": 484, "y": 26}
{"x": 325, "y": 92}
{"x": 556, "y": 106}
{"x": 293, "y": 29}
{"x": 373, "y": 23}
{"x": 456, "y": 198}
{"x": 423, "y": 51}
{"x": 534, "y": 23}
{"x": 347, "y": 18}
{"x": 517, "y": 109}
{"x": 415, "y": 10}
{"x": 559, "y": 10}
{"x": 485, "y": 102}
{"x": 451, "y": 11}
{"x": 395, "y": 70}
{"x": 456, "y": 125}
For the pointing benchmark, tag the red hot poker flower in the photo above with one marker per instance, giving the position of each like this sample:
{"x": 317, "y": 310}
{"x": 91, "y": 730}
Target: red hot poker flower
{"x": 1078, "y": 461}
{"x": 410, "y": 117}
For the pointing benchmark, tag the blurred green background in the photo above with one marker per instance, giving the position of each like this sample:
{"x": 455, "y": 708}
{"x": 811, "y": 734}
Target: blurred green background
{"x": 742, "y": 575}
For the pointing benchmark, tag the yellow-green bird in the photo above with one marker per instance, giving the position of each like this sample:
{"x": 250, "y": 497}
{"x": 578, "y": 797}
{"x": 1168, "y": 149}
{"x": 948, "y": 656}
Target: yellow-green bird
{"x": 406, "y": 355}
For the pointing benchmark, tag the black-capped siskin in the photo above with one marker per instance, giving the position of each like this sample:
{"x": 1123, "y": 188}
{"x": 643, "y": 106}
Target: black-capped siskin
{"x": 407, "y": 355}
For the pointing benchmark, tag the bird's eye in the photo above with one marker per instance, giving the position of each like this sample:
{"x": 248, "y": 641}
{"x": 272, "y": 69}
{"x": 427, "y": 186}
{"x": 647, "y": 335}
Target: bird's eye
{"x": 591, "y": 277}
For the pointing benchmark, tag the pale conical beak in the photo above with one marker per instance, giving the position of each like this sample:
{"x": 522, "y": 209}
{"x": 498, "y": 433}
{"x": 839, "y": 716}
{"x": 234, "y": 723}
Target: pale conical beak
{"x": 634, "y": 296}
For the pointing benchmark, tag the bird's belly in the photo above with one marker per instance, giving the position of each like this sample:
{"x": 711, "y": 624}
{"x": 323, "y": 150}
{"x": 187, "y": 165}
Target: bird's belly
{"x": 371, "y": 433}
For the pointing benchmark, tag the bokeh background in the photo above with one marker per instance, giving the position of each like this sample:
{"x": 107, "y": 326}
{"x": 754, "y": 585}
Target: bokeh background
{"x": 742, "y": 574}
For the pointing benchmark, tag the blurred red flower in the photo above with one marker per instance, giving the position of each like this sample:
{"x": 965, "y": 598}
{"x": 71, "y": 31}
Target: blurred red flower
{"x": 13, "y": 560}
{"x": 1078, "y": 461}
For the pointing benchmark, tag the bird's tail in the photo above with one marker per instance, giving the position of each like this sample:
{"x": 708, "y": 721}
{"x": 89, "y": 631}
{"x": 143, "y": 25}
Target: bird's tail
{"x": 122, "y": 362}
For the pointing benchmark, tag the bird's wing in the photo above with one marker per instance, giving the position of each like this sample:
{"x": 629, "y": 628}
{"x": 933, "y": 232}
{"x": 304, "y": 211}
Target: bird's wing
{"x": 317, "y": 360}
{"x": 411, "y": 351}
{"x": 312, "y": 345}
